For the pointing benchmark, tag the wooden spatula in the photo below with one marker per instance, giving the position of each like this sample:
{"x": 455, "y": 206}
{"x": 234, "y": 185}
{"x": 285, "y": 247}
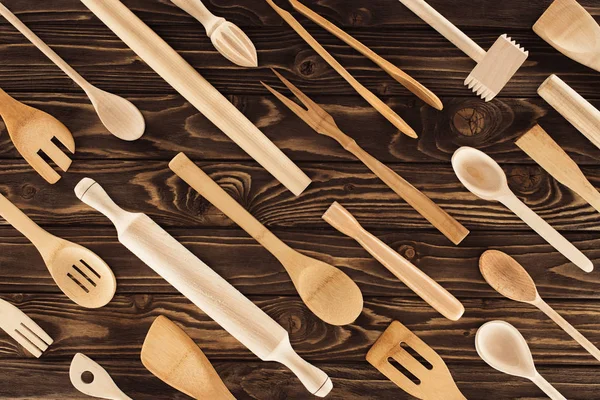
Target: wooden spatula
{"x": 79, "y": 273}
{"x": 99, "y": 384}
{"x": 570, "y": 29}
{"x": 32, "y": 132}
{"x": 546, "y": 152}
{"x": 173, "y": 357}
{"x": 436, "y": 383}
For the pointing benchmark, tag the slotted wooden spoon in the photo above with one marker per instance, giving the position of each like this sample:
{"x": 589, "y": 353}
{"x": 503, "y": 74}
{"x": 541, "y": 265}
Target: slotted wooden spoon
{"x": 32, "y": 131}
{"x": 79, "y": 273}
{"x": 329, "y": 293}
{"x": 173, "y": 357}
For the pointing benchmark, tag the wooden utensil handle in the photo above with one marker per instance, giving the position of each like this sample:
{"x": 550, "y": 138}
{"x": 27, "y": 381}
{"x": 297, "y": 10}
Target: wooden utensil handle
{"x": 198, "y": 91}
{"x": 545, "y": 151}
{"x": 43, "y": 47}
{"x": 547, "y": 232}
{"x": 547, "y": 388}
{"x": 21, "y": 222}
{"x": 439, "y": 218}
{"x": 438, "y": 22}
{"x": 419, "y": 282}
{"x": 567, "y": 327}
{"x": 209, "y": 189}
{"x": 198, "y": 10}
{"x": 571, "y": 105}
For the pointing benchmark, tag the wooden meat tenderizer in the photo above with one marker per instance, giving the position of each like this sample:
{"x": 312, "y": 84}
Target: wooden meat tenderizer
{"x": 494, "y": 68}
{"x": 435, "y": 383}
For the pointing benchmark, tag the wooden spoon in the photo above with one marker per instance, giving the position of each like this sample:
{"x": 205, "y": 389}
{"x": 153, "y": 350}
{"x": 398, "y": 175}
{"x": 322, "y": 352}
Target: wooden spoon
{"x": 570, "y": 29}
{"x": 502, "y": 346}
{"x": 479, "y": 173}
{"x": 118, "y": 115}
{"x": 327, "y": 291}
{"x": 173, "y": 357}
{"x": 546, "y": 152}
{"x": 511, "y": 280}
{"x": 79, "y": 273}
{"x": 100, "y": 384}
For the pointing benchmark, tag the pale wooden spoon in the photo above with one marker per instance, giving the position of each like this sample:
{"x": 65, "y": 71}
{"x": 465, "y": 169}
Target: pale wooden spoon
{"x": 479, "y": 173}
{"x": 328, "y": 292}
{"x": 173, "y": 357}
{"x": 503, "y": 348}
{"x": 101, "y": 386}
{"x": 118, "y": 115}
{"x": 79, "y": 273}
{"x": 511, "y": 280}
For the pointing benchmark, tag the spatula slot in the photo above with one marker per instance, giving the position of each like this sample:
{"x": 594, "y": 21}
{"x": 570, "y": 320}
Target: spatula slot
{"x": 416, "y": 356}
{"x": 77, "y": 282}
{"x": 46, "y": 158}
{"x": 85, "y": 276}
{"x": 401, "y": 369}
{"x": 92, "y": 270}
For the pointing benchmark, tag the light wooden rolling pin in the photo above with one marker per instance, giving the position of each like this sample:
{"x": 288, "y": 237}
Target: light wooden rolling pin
{"x": 204, "y": 287}
{"x": 198, "y": 91}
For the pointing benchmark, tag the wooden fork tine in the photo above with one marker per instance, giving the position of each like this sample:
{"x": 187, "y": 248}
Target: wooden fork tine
{"x": 57, "y": 155}
{"x": 299, "y": 111}
{"x": 30, "y": 335}
{"x": 24, "y": 341}
{"x": 310, "y": 105}
{"x": 35, "y": 328}
{"x": 42, "y": 167}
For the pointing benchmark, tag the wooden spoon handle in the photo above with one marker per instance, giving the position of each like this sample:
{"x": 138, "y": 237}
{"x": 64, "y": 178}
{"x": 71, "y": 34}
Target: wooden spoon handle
{"x": 558, "y": 241}
{"x": 546, "y": 152}
{"x": 439, "y": 218}
{"x": 209, "y": 189}
{"x": 574, "y": 333}
{"x": 402, "y": 77}
{"x": 547, "y": 388}
{"x": 577, "y": 110}
{"x": 428, "y": 289}
{"x": 198, "y": 10}
{"x": 21, "y": 222}
{"x": 43, "y": 47}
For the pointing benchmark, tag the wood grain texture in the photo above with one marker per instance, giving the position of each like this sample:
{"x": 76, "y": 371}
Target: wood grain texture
{"x": 114, "y": 335}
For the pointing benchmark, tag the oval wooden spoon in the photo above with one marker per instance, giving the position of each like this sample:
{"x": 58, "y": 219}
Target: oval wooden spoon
{"x": 329, "y": 293}
{"x": 502, "y": 347}
{"x": 118, "y": 115}
{"x": 173, "y": 357}
{"x": 511, "y": 280}
{"x": 79, "y": 273}
{"x": 479, "y": 173}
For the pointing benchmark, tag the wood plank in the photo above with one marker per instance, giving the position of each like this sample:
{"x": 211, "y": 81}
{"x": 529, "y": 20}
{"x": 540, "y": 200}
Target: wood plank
{"x": 119, "y": 328}
{"x": 174, "y": 125}
{"x": 250, "y": 268}
{"x": 253, "y": 380}
{"x": 427, "y": 56}
{"x": 151, "y": 187}
{"x": 513, "y": 14}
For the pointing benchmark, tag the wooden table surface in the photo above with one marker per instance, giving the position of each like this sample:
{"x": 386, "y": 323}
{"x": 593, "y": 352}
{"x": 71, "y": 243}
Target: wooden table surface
{"x": 137, "y": 176}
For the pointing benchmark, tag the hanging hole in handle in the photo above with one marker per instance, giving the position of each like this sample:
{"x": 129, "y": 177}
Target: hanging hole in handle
{"x": 87, "y": 377}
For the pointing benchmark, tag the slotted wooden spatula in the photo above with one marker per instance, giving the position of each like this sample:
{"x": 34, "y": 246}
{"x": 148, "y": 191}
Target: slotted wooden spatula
{"x": 22, "y": 328}
{"x": 436, "y": 383}
{"x": 173, "y": 357}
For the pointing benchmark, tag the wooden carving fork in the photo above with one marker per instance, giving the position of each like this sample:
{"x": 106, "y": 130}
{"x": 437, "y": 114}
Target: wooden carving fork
{"x": 322, "y": 122}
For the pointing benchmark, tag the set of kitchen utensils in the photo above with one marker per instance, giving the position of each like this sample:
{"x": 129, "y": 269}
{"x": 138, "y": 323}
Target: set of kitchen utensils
{"x": 168, "y": 352}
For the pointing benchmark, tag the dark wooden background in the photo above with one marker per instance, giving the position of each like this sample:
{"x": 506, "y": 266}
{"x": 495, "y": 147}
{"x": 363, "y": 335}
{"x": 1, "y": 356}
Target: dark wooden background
{"x": 137, "y": 176}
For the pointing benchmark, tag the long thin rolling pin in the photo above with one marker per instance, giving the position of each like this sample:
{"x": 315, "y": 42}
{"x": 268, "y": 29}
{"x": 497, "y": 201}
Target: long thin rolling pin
{"x": 204, "y": 287}
{"x": 198, "y": 91}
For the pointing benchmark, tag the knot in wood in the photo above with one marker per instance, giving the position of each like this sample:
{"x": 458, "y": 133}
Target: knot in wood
{"x": 349, "y": 187}
{"x": 469, "y": 121}
{"x": 408, "y": 251}
{"x": 307, "y": 67}
{"x": 291, "y": 321}
{"x": 525, "y": 178}
{"x": 142, "y": 301}
{"x": 360, "y": 17}
{"x": 28, "y": 191}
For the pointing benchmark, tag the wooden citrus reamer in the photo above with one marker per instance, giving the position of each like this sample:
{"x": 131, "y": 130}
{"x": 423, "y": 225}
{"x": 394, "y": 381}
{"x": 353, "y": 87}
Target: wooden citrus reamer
{"x": 322, "y": 122}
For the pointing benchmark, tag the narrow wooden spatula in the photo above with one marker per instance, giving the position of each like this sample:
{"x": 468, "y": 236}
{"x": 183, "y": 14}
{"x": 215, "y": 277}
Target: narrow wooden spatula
{"x": 436, "y": 383}
{"x": 173, "y": 357}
